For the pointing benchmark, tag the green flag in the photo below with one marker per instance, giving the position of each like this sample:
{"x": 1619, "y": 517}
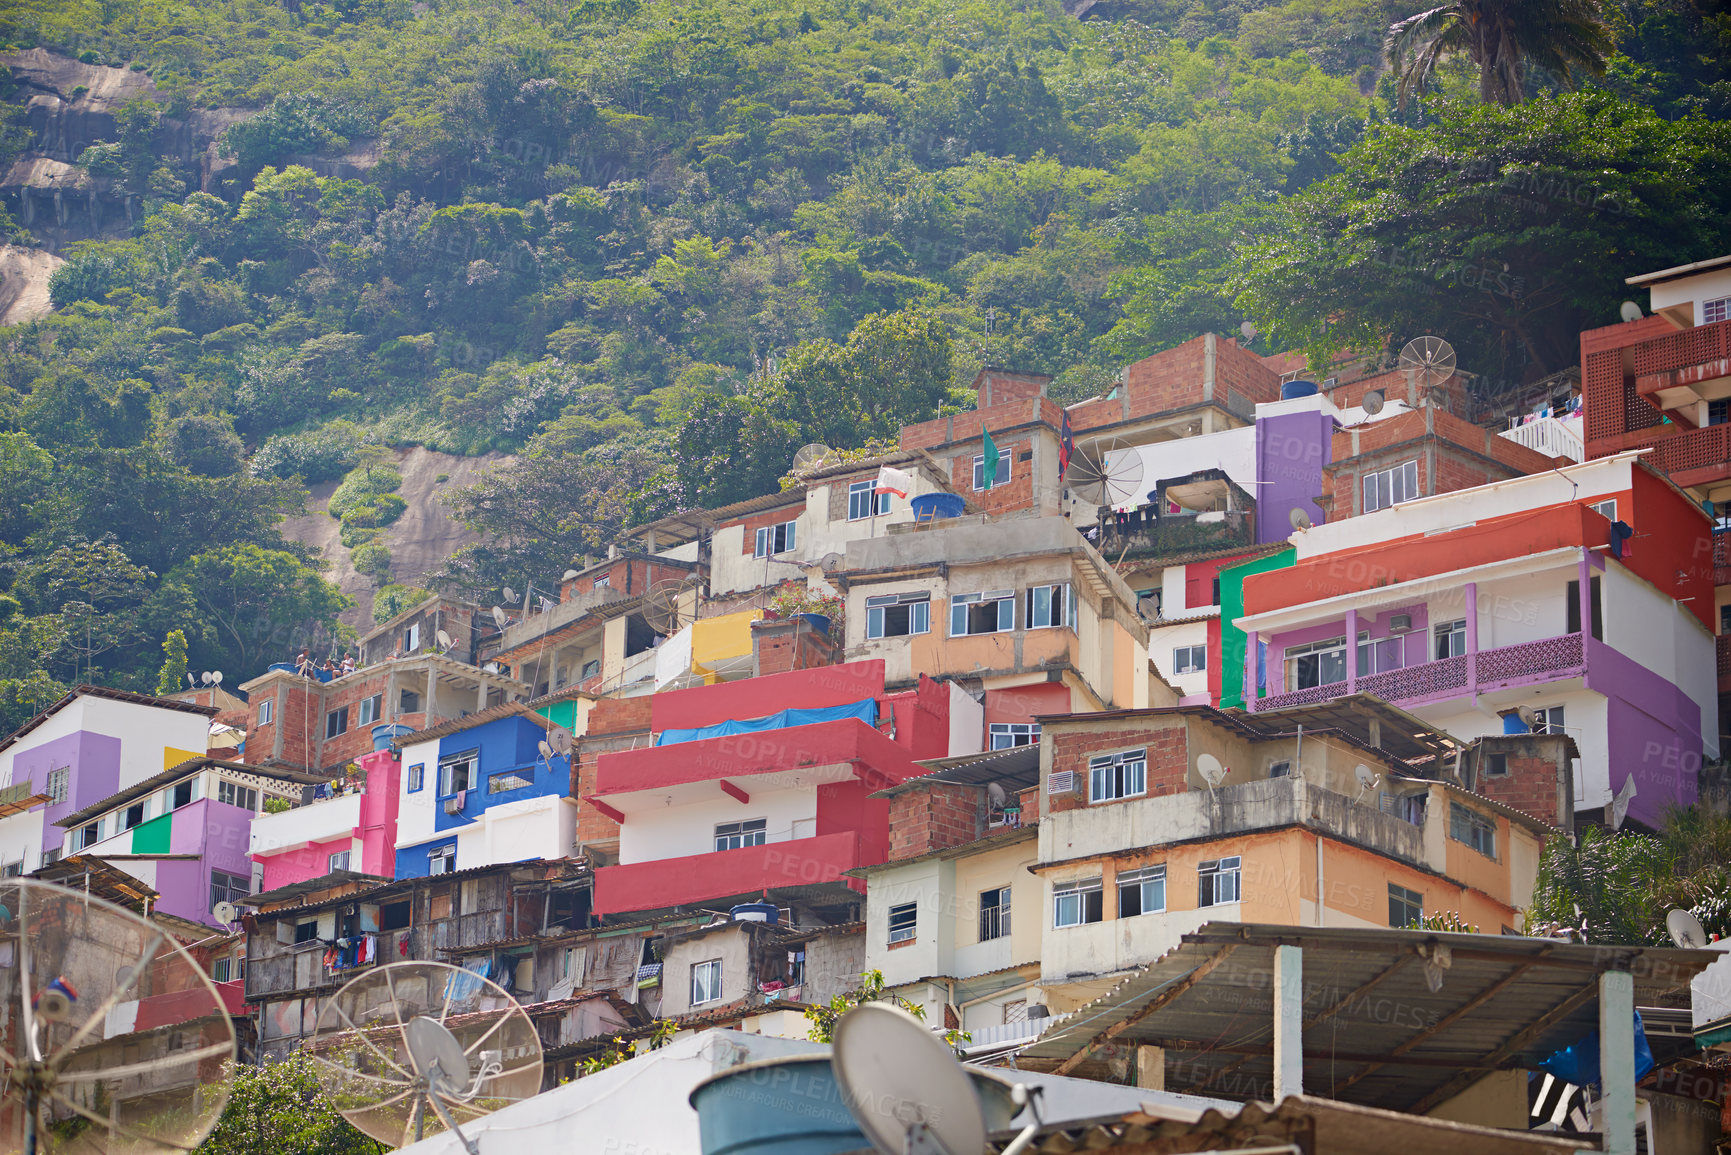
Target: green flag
{"x": 990, "y": 464}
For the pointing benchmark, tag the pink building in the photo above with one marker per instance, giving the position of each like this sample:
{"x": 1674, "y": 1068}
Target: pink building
{"x": 353, "y": 830}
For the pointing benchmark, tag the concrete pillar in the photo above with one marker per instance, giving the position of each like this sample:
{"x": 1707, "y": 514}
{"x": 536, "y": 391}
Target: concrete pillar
{"x": 1472, "y": 592}
{"x": 1151, "y": 1068}
{"x": 1352, "y": 652}
{"x": 1584, "y": 597}
{"x": 1288, "y": 1021}
{"x": 1617, "y": 1060}
{"x": 432, "y": 692}
{"x": 1251, "y": 645}
{"x": 480, "y": 695}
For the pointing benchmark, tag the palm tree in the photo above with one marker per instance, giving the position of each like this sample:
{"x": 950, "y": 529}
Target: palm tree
{"x": 1505, "y": 39}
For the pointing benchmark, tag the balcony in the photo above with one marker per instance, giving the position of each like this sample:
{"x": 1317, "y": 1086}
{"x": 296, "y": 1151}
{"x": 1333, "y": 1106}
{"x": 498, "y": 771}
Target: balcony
{"x": 537, "y": 625}
{"x": 306, "y": 825}
{"x": 1546, "y": 660}
{"x": 1552, "y": 436}
{"x": 1722, "y": 557}
{"x": 1175, "y": 535}
{"x": 1672, "y": 370}
{"x": 724, "y": 874}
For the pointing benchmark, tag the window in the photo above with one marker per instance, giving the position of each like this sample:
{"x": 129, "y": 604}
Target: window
{"x": 1380, "y": 655}
{"x": 1078, "y": 903}
{"x": 442, "y": 860}
{"x": 903, "y": 920}
{"x": 1316, "y": 664}
{"x": 457, "y": 774}
{"x": 1405, "y": 907}
{"x": 1573, "y": 610}
{"x": 1496, "y": 766}
{"x": 12, "y": 869}
{"x": 1123, "y": 775}
{"x": 898, "y": 615}
{"x": 1214, "y": 591}
{"x": 705, "y": 981}
{"x": 1473, "y": 828}
{"x": 1712, "y": 312}
{"x": 51, "y": 856}
{"x": 371, "y": 708}
{"x": 412, "y": 638}
{"x": 1189, "y": 659}
{"x": 1718, "y": 412}
{"x": 590, "y": 669}
{"x": 86, "y": 836}
{"x": 181, "y": 794}
{"x": 221, "y": 969}
{"x": 735, "y": 835}
{"x": 1280, "y": 769}
{"x": 226, "y": 887}
{"x": 306, "y": 931}
{"x": 59, "y": 783}
{"x": 509, "y": 780}
{"x": 237, "y": 795}
{"x": 1451, "y": 639}
{"x": 1390, "y": 486}
{"x": 1005, "y": 735}
{"x": 994, "y": 913}
{"x": 860, "y": 504}
{"x": 417, "y": 776}
{"x": 1051, "y": 606}
{"x": 774, "y": 539}
{"x": 266, "y": 711}
{"x": 1548, "y": 720}
{"x": 338, "y": 861}
{"x": 337, "y": 722}
{"x": 1142, "y": 891}
{"x": 987, "y": 613}
{"x": 132, "y": 816}
{"x": 601, "y": 583}
{"x": 980, "y": 470}
{"x": 1218, "y": 881}
{"x": 409, "y": 702}
{"x": 1606, "y": 509}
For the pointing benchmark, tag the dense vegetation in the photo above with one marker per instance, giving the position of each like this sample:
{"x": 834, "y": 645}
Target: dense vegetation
{"x": 653, "y": 246}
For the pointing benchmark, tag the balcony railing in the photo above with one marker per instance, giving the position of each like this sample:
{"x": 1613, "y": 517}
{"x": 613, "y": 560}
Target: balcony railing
{"x": 1684, "y": 349}
{"x": 1552, "y": 436}
{"x": 1547, "y": 659}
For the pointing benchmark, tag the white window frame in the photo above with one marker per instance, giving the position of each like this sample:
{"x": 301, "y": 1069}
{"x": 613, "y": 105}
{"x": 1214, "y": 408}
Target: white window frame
{"x": 1389, "y": 487}
{"x": 448, "y": 776}
{"x": 998, "y": 924}
{"x": 1478, "y": 828}
{"x": 1049, "y": 609}
{"x": 1143, "y": 881}
{"x": 1112, "y": 777}
{"x": 1190, "y": 659}
{"x": 904, "y": 922}
{"x": 871, "y": 505}
{"x": 1606, "y": 509}
{"x": 785, "y": 533}
{"x": 1070, "y": 903}
{"x": 1380, "y": 655}
{"x": 1013, "y": 734}
{"x": 86, "y": 836}
{"x": 1455, "y": 632}
{"x": 337, "y": 861}
{"x": 1220, "y": 881}
{"x": 1004, "y": 459}
{"x": 368, "y": 710}
{"x": 59, "y": 784}
{"x": 1548, "y": 720}
{"x": 234, "y": 794}
{"x": 961, "y": 606}
{"x": 1406, "y": 897}
{"x": 411, "y": 637}
{"x": 336, "y": 722}
{"x": 706, "y": 981}
{"x": 266, "y": 711}
{"x": 919, "y": 609}
{"x": 442, "y": 860}
{"x": 1716, "y": 310}
{"x": 741, "y": 834}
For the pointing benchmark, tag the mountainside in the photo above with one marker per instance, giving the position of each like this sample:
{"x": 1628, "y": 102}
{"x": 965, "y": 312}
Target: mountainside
{"x": 648, "y": 248}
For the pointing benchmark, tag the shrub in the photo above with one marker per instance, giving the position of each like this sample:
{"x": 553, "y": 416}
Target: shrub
{"x": 314, "y": 455}
{"x": 372, "y": 559}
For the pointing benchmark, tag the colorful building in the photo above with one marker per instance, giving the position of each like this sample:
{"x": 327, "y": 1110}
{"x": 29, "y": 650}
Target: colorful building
{"x": 343, "y": 826}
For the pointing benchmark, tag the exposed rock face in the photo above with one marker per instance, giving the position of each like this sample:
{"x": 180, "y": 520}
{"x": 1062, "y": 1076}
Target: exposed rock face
{"x": 24, "y": 277}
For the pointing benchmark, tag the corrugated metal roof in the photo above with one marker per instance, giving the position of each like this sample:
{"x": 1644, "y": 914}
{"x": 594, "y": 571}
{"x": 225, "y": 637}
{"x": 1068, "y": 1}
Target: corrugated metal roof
{"x": 185, "y": 770}
{"x": 1376, "y": 1034}
{"x": 1015, "y": 768}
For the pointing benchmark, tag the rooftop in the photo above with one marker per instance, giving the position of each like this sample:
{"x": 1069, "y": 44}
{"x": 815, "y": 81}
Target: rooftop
{"x": 1679, "y": 272}
{"x": 185, "y": 770}
{"x": 112, "y": 695}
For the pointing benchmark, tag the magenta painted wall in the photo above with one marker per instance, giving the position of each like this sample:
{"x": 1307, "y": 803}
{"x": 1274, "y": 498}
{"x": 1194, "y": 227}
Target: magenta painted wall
{"x": 1653, "y": 732}
{"x": 310, "y": 861}
{"x": 218, "y": 834}
{"x": 379, "y": 813}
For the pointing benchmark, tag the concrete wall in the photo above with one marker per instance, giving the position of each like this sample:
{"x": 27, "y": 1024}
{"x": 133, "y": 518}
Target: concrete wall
{"x": 681, "y": 831}
{"x": 1163, "y": 640}
{"x": 542, "y": 827}
{"x": 416, "y": 809}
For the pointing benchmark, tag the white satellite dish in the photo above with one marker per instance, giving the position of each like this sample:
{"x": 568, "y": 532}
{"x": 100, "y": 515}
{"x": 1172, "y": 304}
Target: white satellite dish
{"x": 205, "y": 677}
{"x": 546, "y": 750}
{"x": 1686, "y": 930}
{"x": 1148, "y": 608}
{"x": 510, "y": 594}
{"x": 995, "y": 794}
{"x": 1372, "y": 402}
{"x": 1211, "y": 770}
{"x": 1248, "y": 330}
{"x": 78, "y": 1078}
{"x": 216, "y": 677}
{"x": 1527, "y": 716}
{"x": 411, "y": 1048}
{"x": 560, "y": 739}
{"x": 811, "y": 456}
{"x": 192, "y": 680}
{"x": 445, "y": 642}
{"x": 903, "y": 1086}
{"x": 1106, "y": 473}
{"x": 569, "y": 574}
{"x": 1620, "y": 803}
{"x": 1630, "y": 311}
{"x": 1299, "y": 518}
{"x": 224, "y": 912}
{"x": 1367, "y": 779}
{"x": 500, "y": 617}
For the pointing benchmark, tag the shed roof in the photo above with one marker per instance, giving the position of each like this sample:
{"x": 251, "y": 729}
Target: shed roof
{"x": 1015, "y": 768}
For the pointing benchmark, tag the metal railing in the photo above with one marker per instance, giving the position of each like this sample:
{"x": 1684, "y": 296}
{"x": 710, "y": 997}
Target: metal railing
{"x": 1552, "y": 436}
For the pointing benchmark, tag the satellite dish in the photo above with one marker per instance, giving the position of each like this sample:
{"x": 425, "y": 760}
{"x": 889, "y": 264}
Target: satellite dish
{"x": 501, "y": 618}
{"x": 1620, "y": 803}
{"x": 1211, "y": 770}
{"x": 1686, "y": 930}
{"x": 224, "y": 912}
{"x": 76, "y": 1076}
{"x": 216, "y": 677}
{"x": 560, "y": 739}
{"x": 416, "y": 1047}
{"x": 1527, "y": 716}
{"x": 1148, "y": 608}
{"x": 831, "y": 562}
{"x": 664, "y": 606}
{"x": 811, "y": 457}
{"x": 510, "y": 594}
{"x": 1431, "y": 359}
{"x": 1372, "y": 402}
{"x": 205, "y": 677}
{"x": 1248, "y": 330}
{"x": 1630, "y": 311}
{"x": 1299, "y": 518}
{"x": 995, "y": 794}
{"x": 903, "y": 1086}
{"x": 1106, "y": 473}
{"x": 1367, "y": 779}
{"x": 569, "y": 574}
{"x": 445, "y": 641}
{"x": 546, "y": 750}
{"x": 192, "y": 680}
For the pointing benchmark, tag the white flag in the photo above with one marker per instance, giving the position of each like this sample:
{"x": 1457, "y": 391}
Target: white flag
{"x": 894, "y": 481}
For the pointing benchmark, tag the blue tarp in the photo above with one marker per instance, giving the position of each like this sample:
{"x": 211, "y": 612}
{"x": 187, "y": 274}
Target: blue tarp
{"x": 866, "y": 710}
{"x": 1578, "y": 1063}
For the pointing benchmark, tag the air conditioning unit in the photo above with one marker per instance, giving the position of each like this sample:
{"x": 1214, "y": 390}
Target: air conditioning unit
{"x": 1400, "y": 623}
{"x": 453, "y": 806}
{"x": 1330, "y": 382}
{"x": 1063, "y": 782}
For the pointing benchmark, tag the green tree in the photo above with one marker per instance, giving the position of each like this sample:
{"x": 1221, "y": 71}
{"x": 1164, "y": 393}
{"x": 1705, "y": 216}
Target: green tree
{"x": 173, "y": 672}
{"x": 280, "y": 1107}
{"x": 249, "y": 605}
{"x": 1505, "y": 40}
{"x": 870, "y": 990}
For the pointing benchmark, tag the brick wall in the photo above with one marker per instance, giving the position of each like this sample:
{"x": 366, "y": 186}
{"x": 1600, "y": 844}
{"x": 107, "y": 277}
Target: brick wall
{"x": 618, "y": 716}
{"x": 757, "y": 521}
{"x": 1170, "y": 379}
{"x": 1537, "y": 782}
{"x": 998, "y": 386}
{"x": 1466, "y": 455}
{"x": 1168, "y": 760}
{"x": 935, "y": 817}
{"x": 1004, "y": 497}
{"x": 779, "y": 646}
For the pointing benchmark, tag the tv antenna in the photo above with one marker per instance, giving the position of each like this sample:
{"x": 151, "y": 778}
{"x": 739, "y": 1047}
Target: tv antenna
{"x": 73, "y": 1080}
{"x": 417, "y": 1047}
{"x": 1211, "y": 769}
{"x": 1431, "y": 359}
{"x": 1106, "y": 473}
{"x": 811, "y": 457}
{"x": 1686, "y": 930}
{"x": 664, "y": 606}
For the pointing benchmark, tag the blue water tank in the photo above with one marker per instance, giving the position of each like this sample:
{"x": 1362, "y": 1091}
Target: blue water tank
{"x": 384, "y": 735}
{"x": 1512, "y": 724}
{"x": 818, "y": 622}
{"x": 1291, "y": 389}
{"x": 756, "y": 912}
{"x": 937, "y": 506}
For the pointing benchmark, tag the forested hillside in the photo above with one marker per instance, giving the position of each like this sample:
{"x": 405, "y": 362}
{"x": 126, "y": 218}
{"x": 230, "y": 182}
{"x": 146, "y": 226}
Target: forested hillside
{"x": 651, "y": 247}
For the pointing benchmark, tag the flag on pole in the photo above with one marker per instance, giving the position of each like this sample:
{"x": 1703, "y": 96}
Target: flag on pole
{"x": 989, "y": 464}
{"x": 896, "y": 481}
{"x": 1066, "y": 445}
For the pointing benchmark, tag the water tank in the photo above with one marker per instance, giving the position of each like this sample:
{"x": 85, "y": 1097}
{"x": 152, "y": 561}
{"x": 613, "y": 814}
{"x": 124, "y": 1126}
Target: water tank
{"x": 384, "y": 735}
{"x": 818, "y": 622}
{"x": 756, "y": 912}
{"x": 1512, "y": 724}
{"x": 937, "y": 506}
{"x": 1291, "y": 389}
